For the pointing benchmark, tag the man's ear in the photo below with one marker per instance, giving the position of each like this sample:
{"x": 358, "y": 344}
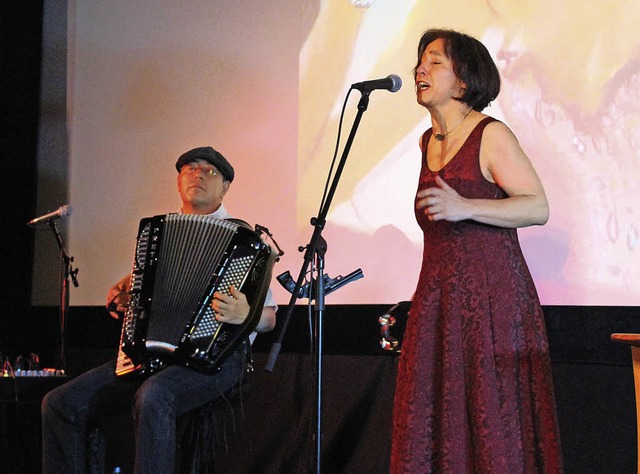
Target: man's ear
{"x": 225, "y": 187}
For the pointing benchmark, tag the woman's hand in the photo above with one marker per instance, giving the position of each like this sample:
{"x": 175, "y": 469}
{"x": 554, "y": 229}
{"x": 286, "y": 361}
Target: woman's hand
{"x": 442, "y": 202}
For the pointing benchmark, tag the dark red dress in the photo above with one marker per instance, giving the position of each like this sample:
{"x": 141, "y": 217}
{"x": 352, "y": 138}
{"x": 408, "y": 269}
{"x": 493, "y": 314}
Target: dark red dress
{"x": 474, "y": 389}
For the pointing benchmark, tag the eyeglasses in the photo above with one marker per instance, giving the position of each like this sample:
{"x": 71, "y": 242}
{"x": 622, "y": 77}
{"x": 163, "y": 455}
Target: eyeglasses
{"x": 207, "y": 170}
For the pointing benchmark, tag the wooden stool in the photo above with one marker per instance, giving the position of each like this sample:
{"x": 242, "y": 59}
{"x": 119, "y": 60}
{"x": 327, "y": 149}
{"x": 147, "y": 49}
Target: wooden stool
{"x": 633, "y": 340}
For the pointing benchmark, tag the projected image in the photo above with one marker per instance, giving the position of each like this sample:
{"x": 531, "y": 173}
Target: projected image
{"x": 140, "y": 92}
{"x": 570, "y": 92}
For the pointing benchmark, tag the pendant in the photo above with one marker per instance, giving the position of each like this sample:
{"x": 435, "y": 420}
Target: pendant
{"x": 439, "y": 137}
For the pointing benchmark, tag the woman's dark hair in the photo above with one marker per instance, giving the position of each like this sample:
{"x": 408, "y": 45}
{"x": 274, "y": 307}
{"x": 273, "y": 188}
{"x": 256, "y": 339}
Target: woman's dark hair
{"x": 471, "y": 62}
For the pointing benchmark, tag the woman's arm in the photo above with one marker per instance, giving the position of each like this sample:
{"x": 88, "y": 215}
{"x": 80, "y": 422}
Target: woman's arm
{"x": 503, "y": 162}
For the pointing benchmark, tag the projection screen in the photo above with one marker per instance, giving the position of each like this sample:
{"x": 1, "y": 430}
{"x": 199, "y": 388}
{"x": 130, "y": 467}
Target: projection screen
{"x": 264, "y": 82}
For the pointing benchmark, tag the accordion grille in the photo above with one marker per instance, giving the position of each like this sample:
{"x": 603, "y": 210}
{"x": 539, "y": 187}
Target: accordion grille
{"x": 191, "y": 250}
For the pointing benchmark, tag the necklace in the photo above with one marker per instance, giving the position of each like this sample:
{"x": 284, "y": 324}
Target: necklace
{"x": 440, "y": 137}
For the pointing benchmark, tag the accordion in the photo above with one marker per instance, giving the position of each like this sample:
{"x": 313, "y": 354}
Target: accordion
{"x": 180, "y": 261}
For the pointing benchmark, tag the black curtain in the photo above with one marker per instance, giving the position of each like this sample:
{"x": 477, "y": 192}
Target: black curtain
{"x": 20, "y": 95}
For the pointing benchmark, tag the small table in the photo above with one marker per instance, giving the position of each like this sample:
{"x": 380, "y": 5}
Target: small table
{"x": 20, "y": 431}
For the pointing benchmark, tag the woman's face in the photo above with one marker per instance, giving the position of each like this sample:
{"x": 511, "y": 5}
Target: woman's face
{"x": 436, "y": 83}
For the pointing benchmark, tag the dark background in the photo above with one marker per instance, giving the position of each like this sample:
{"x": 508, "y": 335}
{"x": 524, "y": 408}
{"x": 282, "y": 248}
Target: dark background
{"x": 593, "y": 377}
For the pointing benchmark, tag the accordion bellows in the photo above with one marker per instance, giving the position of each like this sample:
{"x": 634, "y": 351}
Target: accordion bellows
{"x": 180, "y": 261}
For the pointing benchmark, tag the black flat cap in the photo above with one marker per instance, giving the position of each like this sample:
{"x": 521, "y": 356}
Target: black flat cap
{"x": 208, "y": 154}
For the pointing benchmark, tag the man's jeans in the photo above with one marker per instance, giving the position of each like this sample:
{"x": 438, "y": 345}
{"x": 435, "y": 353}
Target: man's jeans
{"x": 71, "y": 411}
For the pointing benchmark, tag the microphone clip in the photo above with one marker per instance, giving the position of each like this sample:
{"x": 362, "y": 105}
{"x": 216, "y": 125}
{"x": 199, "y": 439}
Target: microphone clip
{"x": 260, "y": 230}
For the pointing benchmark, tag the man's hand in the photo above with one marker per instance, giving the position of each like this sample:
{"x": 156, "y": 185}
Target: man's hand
{"x": 232, "y": 309}
{"x": 118, "y": 297}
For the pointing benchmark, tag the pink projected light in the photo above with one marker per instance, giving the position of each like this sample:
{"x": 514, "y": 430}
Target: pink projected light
{"x": 265, "y": 86}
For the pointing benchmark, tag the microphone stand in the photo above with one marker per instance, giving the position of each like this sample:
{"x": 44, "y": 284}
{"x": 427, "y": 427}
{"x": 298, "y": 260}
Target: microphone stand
{"x": 317, "y": 246}
{"x": 69, "y": 272}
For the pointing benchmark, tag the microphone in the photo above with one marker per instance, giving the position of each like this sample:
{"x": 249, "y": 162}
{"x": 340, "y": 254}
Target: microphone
{"x": 63, "y": 211}
{"x": 392, "y": 83}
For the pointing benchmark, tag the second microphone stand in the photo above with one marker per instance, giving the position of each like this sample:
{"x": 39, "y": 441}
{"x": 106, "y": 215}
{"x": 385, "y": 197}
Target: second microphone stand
{"x": 68, "y": 273}
{"x": 316, "y": 249}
